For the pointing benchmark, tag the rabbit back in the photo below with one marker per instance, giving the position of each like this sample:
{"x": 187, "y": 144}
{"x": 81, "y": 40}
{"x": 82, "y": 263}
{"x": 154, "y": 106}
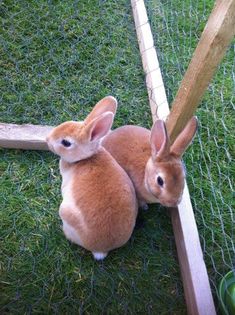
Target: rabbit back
{"x": 130, "y": 146}
{"x": 99, "y": 203}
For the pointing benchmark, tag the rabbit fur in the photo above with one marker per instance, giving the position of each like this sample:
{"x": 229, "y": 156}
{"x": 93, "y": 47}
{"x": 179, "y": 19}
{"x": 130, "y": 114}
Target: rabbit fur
{"x": 99, "y": 206}
{"x": 153, "y": 164}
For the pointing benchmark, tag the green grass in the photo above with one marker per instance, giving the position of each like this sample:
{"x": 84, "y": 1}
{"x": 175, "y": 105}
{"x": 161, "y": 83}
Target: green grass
{"x": 41, "y": 272}
{"x": 210, "y": 161}
{"x": 57, "y": 59}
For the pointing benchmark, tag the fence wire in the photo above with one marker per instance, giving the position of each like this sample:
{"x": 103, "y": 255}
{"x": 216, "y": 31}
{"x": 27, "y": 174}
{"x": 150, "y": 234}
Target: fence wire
{"x": 57, "y": 58}
{"x": 177, "y": 26}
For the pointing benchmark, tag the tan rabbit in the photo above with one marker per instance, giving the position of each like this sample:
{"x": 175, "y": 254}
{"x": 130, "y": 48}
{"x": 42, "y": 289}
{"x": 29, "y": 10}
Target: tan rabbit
{"x": 154, "y": 166}
{"x": 99, "y": 206}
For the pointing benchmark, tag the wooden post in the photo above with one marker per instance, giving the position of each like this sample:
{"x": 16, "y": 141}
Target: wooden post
{"x": 27, "y": 137}
{"x": 154, "y": 83}
{"x": 193, "y": 270}
{"x": 217, "y": 35}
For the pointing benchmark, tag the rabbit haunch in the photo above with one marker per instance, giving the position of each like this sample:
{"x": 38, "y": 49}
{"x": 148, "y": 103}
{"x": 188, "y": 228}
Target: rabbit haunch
{"x": 99, "y": 204}
{"x": 98, "y": 201}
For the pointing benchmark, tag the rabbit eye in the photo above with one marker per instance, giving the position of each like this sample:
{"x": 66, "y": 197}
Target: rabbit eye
{"x": 160, "y": 181}
{"x": 66, "y": 143}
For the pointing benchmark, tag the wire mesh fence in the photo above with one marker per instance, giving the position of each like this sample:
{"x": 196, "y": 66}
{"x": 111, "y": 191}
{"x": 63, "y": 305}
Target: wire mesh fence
{"x": 52, "y": 51}
{"x": 57, "y": 59}
{"x": 176, "y": 27}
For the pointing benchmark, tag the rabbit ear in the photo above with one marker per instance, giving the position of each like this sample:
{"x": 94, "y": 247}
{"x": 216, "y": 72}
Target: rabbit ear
{"x": 185, "y": 137}
{"x": 100, "y": 126}
{"x": 159, "y": 140}
{"x": 107, "y": 104}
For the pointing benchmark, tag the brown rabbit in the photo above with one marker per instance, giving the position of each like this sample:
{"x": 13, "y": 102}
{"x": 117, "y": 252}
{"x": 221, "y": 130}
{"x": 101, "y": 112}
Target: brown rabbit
{"x": 154, "y": 166}
{"x": 99, "y": 204}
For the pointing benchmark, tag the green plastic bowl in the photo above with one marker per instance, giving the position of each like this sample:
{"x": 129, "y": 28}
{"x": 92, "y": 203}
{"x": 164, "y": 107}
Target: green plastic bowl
{"x": 227, "y": 294}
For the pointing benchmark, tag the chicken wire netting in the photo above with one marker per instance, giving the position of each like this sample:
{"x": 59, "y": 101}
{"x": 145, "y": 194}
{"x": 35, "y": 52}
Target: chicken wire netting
{"x": 58, "y": 58}
{"x": 176, "y": 27}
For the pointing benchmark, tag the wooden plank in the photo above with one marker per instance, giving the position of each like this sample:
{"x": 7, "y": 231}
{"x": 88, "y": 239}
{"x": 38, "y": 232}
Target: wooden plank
{"x": 154, "y": 82}
{"x": 193, "y": 270}
{"x": 28, "y": 137}
{"x": 217, "y": 35}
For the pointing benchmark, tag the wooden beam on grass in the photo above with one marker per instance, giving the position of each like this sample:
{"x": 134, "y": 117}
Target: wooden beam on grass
{"x": 154, "y": 82}
{"x": 27, "y": 137}
{"x": 217, "y": 35}
{"x": 193, "y": 270}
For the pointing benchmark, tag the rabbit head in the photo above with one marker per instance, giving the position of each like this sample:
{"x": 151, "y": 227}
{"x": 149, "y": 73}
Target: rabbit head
{"x": 74, "y": 141}
{"x": 165, "y": 174}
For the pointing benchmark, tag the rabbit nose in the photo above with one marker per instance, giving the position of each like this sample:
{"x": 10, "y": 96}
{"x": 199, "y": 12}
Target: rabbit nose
{"x": 179, "y": 199}
{"x": 175, "y": 202}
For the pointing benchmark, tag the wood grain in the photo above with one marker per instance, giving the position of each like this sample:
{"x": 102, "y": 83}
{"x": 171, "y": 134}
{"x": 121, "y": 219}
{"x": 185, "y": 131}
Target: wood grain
{"x": 217, "y": 35}
{"x": 27, "y": 137}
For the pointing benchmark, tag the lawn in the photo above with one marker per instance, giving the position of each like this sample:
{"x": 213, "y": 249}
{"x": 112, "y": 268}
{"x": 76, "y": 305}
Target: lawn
{"x": 57, "y": 59}
{"x": 177, "y": 26}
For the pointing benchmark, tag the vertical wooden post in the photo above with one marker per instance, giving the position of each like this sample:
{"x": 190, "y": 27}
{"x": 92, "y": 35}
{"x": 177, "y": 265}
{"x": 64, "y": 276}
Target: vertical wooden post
{"x": 217, "y": 35}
